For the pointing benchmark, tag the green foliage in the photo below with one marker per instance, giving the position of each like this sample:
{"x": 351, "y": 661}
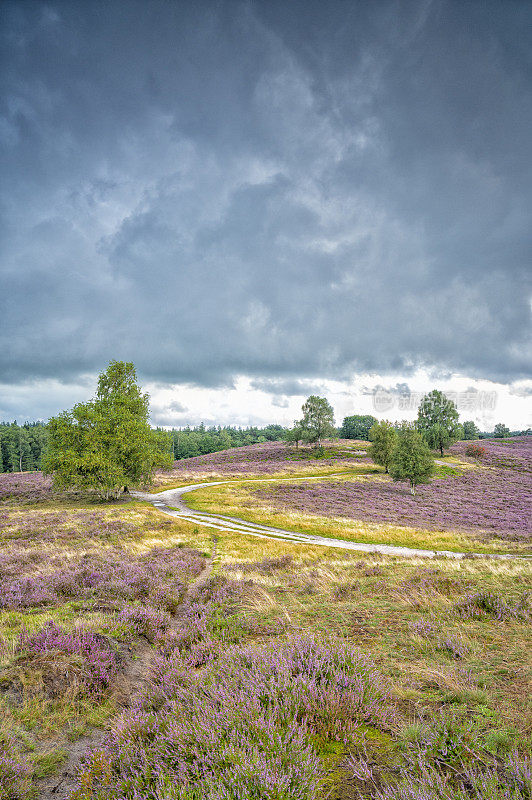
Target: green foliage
{"x": 470, "y": 430}
{"x": 357, "y": 427}
{"x": 500, "y": 431}
{"x": 437, "y": 420}
{"x": 318, "y": 420}
{"x": 384, "y": 439}
{"x": 190, "y": 442}
{"x": 21, "y": 446}
{"x": 106, "y": 444}
{"x": 412, "y": 460}
{"x": 294, "y": 435}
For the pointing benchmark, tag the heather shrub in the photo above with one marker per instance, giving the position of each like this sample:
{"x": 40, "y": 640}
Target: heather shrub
{"x": 157, "y": 578}
{"x": 510, "y": 781}
{"x": 264, "y": 567}
{"x": 14, "y": 773}
{"x": 144, "y": 621}
{"x": 242, "y": 727}
{"x": 93, "y": 652}
{"x": 484, "y": 603}
{"x": 448, "y": 643}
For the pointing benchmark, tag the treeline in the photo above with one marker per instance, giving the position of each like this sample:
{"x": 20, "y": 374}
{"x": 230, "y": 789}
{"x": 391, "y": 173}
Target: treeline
{"x": 358, "y": 426}
{"x": 21, "y": 446}
{"x": 189, "y": 442}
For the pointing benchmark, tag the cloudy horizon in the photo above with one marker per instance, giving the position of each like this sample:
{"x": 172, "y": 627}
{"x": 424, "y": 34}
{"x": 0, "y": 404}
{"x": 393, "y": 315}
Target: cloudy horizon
{"x": 256, "y": 201}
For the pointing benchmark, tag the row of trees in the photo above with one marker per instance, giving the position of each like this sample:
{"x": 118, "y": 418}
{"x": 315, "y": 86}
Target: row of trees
{"x": 358, "y": 426}
{"x": 189, "y": 442}
{"x": 21, "y": 446}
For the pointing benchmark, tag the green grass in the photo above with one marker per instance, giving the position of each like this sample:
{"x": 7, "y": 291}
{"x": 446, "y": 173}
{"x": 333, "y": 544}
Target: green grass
{"x": 238, "y": 499}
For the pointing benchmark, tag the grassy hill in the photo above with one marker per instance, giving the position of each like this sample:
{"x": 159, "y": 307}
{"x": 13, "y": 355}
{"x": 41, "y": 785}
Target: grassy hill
{"x": 235, "y": 667}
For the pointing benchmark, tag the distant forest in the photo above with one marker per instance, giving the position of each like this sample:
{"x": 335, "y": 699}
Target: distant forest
{"x": 21, "y": 446}
{"x": 189, "y": 442}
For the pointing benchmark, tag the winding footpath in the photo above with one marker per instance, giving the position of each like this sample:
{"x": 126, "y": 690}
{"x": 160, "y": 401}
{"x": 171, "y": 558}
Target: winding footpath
{"x": 170, "y": 502}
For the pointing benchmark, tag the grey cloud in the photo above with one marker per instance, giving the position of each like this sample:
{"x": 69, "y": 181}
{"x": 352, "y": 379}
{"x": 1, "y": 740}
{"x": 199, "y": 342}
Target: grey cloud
{"x": 521, "y": 391}
{"x": 175, "y": 405}
{"x": 270, "y": 189}
{"x": 290, "y": 387}
{"x": 280, "y": 402}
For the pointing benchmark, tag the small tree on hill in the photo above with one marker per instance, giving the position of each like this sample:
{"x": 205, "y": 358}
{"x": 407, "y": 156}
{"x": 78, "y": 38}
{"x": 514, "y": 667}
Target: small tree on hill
{"x": 437, "y": 420}
{"x": 318, "y": 420}
{"x": 384, "y": 439}
{"x": 294, "y": 435}
{"x": 500, "y": 430}
{"x": 106, "y": 444}
{"x": 412, "y": 460}
{"x": 357, "y": 426}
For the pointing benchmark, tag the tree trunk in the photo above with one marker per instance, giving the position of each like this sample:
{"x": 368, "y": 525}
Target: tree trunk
{"x": 441, "y": 449}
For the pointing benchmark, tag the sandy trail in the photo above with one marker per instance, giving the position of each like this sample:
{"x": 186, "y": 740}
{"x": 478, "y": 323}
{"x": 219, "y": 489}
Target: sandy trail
{"x": 171, "y": 502}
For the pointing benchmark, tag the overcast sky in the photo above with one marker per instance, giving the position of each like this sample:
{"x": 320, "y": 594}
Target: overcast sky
{"x": 256, "y": 200}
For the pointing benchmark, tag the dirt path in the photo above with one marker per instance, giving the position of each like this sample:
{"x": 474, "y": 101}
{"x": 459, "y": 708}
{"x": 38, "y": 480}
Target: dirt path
{"x": 171, "y": 502}
{"x": 132, "y": 681}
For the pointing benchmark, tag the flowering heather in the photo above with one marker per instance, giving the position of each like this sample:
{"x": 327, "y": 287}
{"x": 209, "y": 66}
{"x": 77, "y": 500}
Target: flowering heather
{"x": 494, "y": 500}
{"x": 242, "y": 727}
{"x": 99, "y": 661}
{"x": 258, "y": 459}
{"x": 447, "y": 643}
{"x": 157, "y": 578}
{"x": 14, "y": 776}
{"x": 145, "y": 621}
{"x": 31, "y": 527}
{"x": 28, "y": 487}
{"x": 509, "y": 781}
{"x": 482, "y": 604}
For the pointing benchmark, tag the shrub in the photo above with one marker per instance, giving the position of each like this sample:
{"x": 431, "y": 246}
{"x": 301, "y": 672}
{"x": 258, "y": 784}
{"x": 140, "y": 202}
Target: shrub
{"x": 14, "y": 774}
{"x": 483, "y": 603}
{"x": 98, "y": 659}
{"x": 475, "y": 451}
{"x": 242, "y": 727}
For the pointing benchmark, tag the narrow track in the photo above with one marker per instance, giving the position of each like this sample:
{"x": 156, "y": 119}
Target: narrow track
{"x": 170, "y": 502}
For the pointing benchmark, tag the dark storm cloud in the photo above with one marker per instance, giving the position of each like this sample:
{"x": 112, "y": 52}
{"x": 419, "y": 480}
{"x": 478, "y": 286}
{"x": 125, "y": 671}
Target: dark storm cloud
{"x": 273, "y": 189}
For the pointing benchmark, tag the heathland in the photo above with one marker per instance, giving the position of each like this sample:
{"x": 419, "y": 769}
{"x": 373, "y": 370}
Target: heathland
{"x": 144, "y": 656}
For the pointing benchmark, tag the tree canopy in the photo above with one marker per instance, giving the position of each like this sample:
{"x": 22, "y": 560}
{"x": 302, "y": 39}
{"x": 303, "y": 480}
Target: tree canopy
{"x": 500, "y": 430}
{"x": 383, "y": 436}
{"x": 470, "y": 430}
{"x": 357, "y": 426}
{"x": 107, "y": 444}
{"x": 21, "y": 446}
{"x": 318, "y": 419}
{"x": 412, "y": 460}
{"x": 437, "y": 420}
{"x": 294, "y": 435}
